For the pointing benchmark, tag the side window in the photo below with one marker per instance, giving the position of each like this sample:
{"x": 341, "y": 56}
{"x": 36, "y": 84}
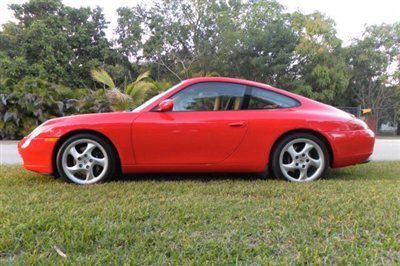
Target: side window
{"x": 265, "y": 99}
{"x": 209, "y": 96}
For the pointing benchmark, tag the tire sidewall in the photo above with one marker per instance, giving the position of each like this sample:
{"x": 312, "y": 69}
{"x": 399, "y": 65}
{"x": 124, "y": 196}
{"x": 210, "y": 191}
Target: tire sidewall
{"x": 281, "y": 144}
{"x": 105, "y": 144}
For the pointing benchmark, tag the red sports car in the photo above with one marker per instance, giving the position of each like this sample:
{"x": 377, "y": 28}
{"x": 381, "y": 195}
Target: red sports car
{"x": 210, "y": 124}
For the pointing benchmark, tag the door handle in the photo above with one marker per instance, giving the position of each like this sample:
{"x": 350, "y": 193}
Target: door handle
{"x": 237, "y": 124}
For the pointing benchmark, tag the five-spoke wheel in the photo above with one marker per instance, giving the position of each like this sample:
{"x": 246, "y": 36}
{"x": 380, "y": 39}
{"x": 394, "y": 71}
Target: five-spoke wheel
{"x": 300, "y": 157}
{"x": 85, "y": 159}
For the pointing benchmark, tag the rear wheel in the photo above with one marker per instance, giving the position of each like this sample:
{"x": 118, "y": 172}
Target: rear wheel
{"x": 300, "y": 157}
{"x": 86, "y": 159}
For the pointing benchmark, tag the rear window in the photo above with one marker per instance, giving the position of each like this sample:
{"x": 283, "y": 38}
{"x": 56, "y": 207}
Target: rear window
{"x": 266, "y": 99}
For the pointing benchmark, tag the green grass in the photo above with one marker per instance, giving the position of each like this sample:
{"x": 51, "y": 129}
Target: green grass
{"x": 352, "y": 216}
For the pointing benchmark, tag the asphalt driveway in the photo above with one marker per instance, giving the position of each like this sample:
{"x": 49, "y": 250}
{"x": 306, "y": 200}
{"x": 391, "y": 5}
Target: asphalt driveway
{"x": 385, "y": 150}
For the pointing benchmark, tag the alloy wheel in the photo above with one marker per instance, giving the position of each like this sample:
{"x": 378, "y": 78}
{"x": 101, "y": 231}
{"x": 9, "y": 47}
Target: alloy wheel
{"x": 302, "y": 160}
{"x": 85, "y": 161}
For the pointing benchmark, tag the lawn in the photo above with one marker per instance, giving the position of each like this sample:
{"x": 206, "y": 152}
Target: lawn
{"x": 351, "y": 216}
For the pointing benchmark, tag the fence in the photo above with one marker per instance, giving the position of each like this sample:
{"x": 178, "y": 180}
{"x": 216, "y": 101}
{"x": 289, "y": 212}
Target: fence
{"x": 383, "y": 121}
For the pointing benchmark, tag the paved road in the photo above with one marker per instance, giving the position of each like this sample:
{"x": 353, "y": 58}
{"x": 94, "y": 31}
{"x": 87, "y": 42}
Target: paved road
{"x": 385, "y": 150}
{"x": 9, "y": 153}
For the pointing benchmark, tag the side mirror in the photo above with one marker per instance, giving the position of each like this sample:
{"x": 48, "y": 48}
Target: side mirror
{"x": 166, "y": 105}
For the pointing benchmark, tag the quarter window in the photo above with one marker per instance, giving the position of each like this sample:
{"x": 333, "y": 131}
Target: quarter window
{"x": 266, "y": 99}
{"x": 210, "y": 96}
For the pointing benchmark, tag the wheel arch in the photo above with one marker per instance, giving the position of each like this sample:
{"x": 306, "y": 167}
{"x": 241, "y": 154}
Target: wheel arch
{"x": 69, "y": 134}
{"x": 309, "y": 131}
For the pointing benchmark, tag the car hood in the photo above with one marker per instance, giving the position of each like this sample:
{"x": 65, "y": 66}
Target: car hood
{"x": 92, "y": 118}
{"x": 56, "y": 127}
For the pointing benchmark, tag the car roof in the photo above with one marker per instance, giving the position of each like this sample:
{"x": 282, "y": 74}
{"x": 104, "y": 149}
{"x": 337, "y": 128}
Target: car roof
{"x": 243, "y": 82}
{"x": 224, "y": 79}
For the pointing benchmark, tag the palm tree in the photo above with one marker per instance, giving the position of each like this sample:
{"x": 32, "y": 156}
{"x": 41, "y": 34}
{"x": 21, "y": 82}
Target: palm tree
{"x": 135, "y": 92}
{"x": 138, "y": 89}
{"x": 118, "y": 100}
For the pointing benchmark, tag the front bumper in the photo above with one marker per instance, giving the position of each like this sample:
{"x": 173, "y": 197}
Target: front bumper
{"x": 351, "y": 147}
{"x": 37, "y": 154}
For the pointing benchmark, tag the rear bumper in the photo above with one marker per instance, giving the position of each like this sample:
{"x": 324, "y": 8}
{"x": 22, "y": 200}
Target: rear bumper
{"x": 351, "y": 147}
{"x": 37, "y": 154}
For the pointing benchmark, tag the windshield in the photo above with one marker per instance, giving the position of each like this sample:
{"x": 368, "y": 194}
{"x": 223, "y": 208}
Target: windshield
{"x": 155, "y": 98}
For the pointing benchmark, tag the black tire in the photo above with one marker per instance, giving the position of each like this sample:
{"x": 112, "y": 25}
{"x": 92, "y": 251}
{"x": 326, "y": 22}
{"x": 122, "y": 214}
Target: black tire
{"x": 111, "y": 156}
{"x": 281, "y": 144}
{"x": 264, "y": 175}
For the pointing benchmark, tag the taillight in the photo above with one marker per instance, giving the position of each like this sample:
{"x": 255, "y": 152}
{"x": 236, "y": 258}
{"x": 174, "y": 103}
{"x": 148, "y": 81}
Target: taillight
{"x": 357, "y": 124}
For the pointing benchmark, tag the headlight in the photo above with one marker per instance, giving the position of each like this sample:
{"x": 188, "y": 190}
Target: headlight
{"x": 36, "y": 131}
{"x": 33, "y": 135}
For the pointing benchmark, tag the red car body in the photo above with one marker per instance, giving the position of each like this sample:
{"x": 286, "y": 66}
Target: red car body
{"x": 206, "y": 141}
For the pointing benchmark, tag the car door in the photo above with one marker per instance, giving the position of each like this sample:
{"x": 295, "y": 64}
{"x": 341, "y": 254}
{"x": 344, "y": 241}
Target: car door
{"x": 204, "y": 127}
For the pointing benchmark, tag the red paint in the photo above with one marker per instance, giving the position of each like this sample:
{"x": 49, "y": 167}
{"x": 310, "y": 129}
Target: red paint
{"x": 166, "y": 105}
{"x": 204, "y": 141}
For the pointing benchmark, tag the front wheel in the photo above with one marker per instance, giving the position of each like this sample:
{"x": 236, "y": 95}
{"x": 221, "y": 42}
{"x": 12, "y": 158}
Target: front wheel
{"x": 300, "y": 157}
{"x": 86, "y": 159}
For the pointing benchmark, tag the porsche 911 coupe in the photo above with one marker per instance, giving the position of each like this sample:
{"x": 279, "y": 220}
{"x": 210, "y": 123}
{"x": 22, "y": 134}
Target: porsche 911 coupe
{"x": 209, "y": 124}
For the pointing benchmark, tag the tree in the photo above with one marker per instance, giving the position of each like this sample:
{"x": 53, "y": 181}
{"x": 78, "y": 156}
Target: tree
{"x": 180, "y": 35}
{"x": 256, "y": 42}
{"x": 135, "y": 92}
{"x": 319, "y": 62}
{"x": 130, "y": 32}
{"x": 31, "y": 102}
{"x": 374, "y": 61}
{"x": 53, "y": 41}
{"x": 138, "y": 88}
{"x": 186, "y": 38}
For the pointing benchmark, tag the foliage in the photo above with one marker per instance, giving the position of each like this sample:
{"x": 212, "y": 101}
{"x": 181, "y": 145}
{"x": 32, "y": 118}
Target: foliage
{"x": 140, "y": 87}
{"x": 135, "y": 92}
{"x": 94, "y": 101}
{"x": 374, "y": 61}
{"x": 350, "y": 217}
{"x": 255, "y": 40}
{"x": 102, "y": 76}
{"x": 320, "y": 64}
{"x": 256, "y": 43}
{"x": 172, "y": 40}
{"x": 33, "y": 101}
{"x": 118, "y": 100}
{"x": 250, "y": 40}
{"x": 53, "y": 41}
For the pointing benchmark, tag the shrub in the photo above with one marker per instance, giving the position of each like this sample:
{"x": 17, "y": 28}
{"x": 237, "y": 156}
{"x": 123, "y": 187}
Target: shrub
{"x": 32, "y": 101}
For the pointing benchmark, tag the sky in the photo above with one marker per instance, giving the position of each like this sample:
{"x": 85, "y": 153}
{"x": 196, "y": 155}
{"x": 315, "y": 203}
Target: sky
{"x": 350, "y": 15}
